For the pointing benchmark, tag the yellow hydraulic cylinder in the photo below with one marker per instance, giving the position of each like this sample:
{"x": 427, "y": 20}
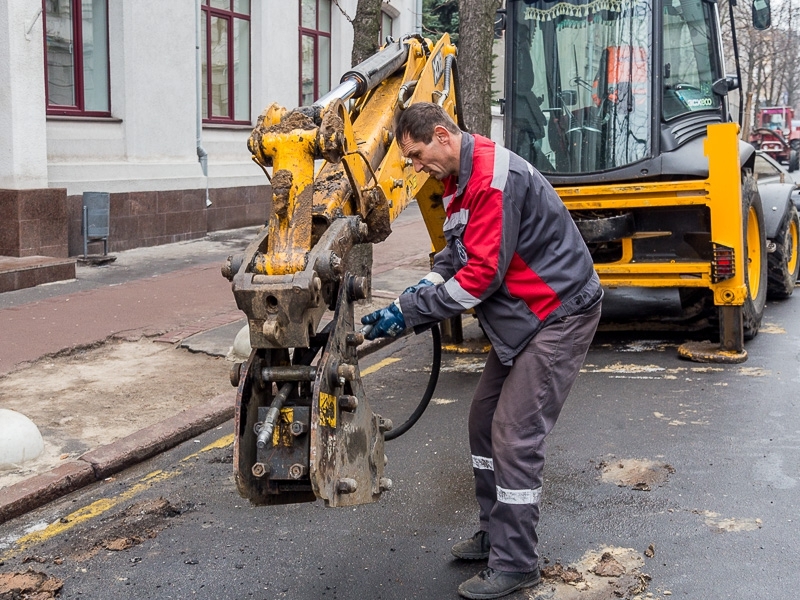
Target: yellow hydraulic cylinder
{"x": 291, "y": 145}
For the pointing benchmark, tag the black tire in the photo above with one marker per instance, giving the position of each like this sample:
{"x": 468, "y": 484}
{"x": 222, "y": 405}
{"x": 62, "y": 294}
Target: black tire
{"x": 794, "y": 161}
{"x": 795, "y": 144}
{"x": 783, "y": 263}
{"x": 755, "y": 257}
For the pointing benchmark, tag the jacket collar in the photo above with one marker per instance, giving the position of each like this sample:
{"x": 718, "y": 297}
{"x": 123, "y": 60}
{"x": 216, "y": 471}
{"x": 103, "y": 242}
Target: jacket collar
{"x": 465, "y": 162}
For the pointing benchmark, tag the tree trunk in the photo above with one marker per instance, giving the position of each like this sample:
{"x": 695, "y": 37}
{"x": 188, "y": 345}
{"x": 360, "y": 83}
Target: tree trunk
{"x": 366, "y": 29}
{"x": 475, "y": 37}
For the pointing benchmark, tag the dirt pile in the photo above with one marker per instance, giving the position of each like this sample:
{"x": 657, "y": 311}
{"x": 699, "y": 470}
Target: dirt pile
{"x": 610, "y": 573}
{"x": 29, "y": 585}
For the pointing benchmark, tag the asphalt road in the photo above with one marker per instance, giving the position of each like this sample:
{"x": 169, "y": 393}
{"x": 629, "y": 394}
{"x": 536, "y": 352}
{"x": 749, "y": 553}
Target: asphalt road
{"x": 700, "y": 461}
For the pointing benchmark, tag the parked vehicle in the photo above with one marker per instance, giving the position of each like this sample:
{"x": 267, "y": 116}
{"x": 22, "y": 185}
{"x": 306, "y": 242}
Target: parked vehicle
{"x": 776, "y": 134}
{"x": 623, "y": 107}
{"x": 780, "y": 198}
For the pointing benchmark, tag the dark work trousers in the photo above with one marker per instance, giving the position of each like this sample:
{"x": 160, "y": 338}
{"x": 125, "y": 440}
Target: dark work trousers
{"x": 513, "y": 410}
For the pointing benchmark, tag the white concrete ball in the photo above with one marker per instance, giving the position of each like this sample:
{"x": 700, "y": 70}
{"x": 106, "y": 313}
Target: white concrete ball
{"x": 241, "y": 344}
{"x": 20, "y": 440}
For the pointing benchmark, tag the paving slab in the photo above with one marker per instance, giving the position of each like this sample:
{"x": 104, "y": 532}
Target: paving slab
{"x": 217, "y": 341}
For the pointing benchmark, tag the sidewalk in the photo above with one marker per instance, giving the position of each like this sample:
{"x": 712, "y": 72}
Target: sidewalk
{"x": 173, "y": 294}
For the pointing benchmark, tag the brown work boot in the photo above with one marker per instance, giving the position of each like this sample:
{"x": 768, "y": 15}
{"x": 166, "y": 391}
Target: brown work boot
{"x": 491, "y": 583}
{"x": 475, "y": 548}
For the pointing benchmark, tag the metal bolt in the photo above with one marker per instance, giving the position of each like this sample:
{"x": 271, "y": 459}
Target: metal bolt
{"x": 347, "y": 371}
{"x": 346, "y": 485}
{"x": 298, "y": 428}
{"x": 314, "y": 290}
{"x": 385, "y": 484}
{"x": 385, "y": 424}
{"x": 357, "y": 288}
{"x": 296, "y": 471}
{"x": 259, "y": 469}
{"x": 354, "y": 339}
{"x": 349, "y": 403}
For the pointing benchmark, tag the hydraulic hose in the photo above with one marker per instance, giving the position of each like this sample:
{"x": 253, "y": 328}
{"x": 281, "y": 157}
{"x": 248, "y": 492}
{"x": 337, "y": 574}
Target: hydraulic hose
{"x": 426, "y": 397}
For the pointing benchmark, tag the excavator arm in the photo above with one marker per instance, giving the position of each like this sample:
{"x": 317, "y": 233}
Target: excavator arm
{"x": 304, "y": 428}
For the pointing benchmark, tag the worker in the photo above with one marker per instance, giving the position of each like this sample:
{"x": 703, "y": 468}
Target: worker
{"x": 514, "y": 255}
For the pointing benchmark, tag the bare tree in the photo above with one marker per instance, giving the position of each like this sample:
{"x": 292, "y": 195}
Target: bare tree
{"x": 475, "y": 36}
{"x": 768, "y": 59}
{"x": 366, "y": 30}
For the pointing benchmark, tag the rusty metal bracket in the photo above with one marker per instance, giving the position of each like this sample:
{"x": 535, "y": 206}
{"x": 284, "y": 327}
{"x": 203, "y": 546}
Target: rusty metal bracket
{"x": 346, "y": 454}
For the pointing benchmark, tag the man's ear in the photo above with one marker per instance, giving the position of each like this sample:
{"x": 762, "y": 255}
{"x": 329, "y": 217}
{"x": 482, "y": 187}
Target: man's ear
{"x": 441, "y": 135}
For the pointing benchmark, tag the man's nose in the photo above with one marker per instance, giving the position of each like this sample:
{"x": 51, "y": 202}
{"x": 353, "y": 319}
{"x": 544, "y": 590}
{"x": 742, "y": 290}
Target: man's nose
{"x": 417, "y": 165}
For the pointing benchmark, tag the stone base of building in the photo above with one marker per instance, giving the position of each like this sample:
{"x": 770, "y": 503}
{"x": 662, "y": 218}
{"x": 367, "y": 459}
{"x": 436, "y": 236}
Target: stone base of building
{"x": 46, "y": 223}
{"x": 33, "y": 223}
{"x": 153, "y": 218}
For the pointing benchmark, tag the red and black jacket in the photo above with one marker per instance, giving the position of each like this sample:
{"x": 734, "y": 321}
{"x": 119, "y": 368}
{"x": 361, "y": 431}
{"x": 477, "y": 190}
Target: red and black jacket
{"x": 513, "y": 252}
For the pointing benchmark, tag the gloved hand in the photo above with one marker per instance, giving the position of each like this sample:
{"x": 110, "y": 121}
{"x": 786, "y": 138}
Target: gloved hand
{"x": 386, "y": 322}
{"x": 429, "y": 279}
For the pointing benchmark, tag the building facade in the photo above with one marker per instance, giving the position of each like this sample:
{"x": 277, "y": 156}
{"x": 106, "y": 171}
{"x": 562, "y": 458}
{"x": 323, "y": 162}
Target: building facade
{"x": 153, "y": 103}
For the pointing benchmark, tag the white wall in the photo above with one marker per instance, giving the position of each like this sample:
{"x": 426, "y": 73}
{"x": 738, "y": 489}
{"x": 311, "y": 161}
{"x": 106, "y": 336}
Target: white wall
{"x": 149, "y": 143}
{"x": 23, "y": 156}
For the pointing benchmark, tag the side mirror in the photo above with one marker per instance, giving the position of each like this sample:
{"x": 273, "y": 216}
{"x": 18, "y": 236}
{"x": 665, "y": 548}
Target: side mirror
{"x": 762, "y": 15}
{"x": 721, "y": 87}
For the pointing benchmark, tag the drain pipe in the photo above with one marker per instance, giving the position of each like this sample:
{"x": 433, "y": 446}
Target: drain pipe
{"x": 419, "y": 17}
{"x": 202, "y": 155}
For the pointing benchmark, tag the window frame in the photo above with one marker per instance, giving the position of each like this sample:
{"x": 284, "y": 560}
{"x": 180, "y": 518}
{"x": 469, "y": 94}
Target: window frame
{"x": 79, "y": 108}
{"x": 387, "y": 10}
{"x": 315, "y": 34}
{"x": 206, "y": 13}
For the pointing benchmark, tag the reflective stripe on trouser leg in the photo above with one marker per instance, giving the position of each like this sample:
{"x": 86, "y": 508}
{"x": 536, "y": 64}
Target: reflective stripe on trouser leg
{"x": 515, "y": 420}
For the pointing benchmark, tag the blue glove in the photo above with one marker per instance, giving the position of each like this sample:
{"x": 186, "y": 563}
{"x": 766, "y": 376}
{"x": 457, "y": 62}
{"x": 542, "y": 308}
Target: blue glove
{"x": 429, "y": 279}
{"x": 413, "y": 288}
{"x": 386, "y": 322}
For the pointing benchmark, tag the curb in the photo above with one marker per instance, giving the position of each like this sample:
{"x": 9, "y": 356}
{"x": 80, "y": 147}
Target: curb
{"x": 104, "y": 461}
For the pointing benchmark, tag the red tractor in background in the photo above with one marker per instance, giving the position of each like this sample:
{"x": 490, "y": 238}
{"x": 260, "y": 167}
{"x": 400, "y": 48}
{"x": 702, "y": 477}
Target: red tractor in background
{"x": 776, "y": 135}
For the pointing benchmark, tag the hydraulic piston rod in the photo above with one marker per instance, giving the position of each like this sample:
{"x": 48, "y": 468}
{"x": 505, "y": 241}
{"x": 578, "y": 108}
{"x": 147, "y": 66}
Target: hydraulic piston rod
{"x": 365, "y": 76}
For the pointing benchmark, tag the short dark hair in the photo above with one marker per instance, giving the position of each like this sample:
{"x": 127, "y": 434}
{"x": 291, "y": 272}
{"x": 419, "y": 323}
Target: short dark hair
{"x": 419, "y": 120}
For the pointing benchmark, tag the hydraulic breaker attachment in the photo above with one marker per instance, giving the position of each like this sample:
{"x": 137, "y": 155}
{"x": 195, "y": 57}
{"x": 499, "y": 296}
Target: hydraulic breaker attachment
{"x": 304, "y": 427}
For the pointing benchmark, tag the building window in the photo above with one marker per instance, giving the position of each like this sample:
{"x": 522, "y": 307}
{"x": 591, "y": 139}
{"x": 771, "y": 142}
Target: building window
{"x": 225, "y": 43}
{"x": 315, "y": 50}
{"x": 386, "y": 28}
{"x": 76, "y": 57}
{"x": 388, "y": 14}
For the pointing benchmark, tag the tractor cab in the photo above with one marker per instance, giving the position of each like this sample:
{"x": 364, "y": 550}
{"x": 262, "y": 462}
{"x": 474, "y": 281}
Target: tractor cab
{"x": 607, "y": 89}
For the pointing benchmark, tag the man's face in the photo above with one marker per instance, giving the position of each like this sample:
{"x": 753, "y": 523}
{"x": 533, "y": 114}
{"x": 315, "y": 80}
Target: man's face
{"x": 435, "y": 158}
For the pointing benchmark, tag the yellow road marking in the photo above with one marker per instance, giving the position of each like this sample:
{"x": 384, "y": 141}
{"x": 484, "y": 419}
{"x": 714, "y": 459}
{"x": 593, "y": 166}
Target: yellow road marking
{"x": 99, "y": 507}
{"x": 222, "y": 442}
{"x": 378, "y": 366}
{"x": 95, "y": 509}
